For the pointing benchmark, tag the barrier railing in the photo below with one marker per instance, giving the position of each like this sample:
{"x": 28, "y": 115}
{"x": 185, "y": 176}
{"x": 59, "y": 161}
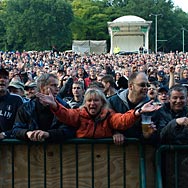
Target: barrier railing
{"x": 84, "y": 163}
{"x": 169, "y": 160}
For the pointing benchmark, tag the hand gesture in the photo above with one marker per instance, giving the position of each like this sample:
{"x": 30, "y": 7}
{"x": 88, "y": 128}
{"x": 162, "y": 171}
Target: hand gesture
{"x": 150, "y": 107}
{"x": 47, "y": 99}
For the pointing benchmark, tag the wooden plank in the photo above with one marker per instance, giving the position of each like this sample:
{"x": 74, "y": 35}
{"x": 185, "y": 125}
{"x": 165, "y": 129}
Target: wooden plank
{"x": 53, "y": 175}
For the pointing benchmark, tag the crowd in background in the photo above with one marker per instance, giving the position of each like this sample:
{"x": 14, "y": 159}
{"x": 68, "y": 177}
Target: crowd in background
{"x": 55, "y": 95}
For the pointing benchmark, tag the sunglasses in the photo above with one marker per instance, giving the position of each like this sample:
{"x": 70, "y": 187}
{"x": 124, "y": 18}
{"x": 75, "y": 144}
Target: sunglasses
{"x": 142, "y": 84}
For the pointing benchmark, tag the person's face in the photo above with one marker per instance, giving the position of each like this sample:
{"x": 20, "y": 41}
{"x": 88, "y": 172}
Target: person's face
{"x": 77, "y": 90}
{"x": 93, "y": 105}
{"x": 80, "y": 73}
{"x": 52, "y": 85}
{"x": 139, "y": 87}
{"x": 127, "y": 72}
{"x": 118, "y": 75}
{"x": 30, "y": 92}
{"x": 106, "y": 86}
{"x": 69, "y": 71}
{"x": 4, "y": 81}
{"x": 178, "y": 68}
{"x": 162, "y": 96}
{"x": 92, "y": 73}
{"x": 177, "y": 101}
{"x": 152, "y": 91}
{"x": 185, "y": 74}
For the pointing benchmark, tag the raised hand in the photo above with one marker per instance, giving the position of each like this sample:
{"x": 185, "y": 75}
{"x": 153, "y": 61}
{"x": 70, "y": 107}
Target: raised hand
{"x": 149, "y": 107}
{"x": 47, "y": 99}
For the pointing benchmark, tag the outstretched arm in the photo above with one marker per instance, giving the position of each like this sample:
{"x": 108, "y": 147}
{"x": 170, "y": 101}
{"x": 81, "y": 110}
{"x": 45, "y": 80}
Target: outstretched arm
{"x": 147, "y": 107}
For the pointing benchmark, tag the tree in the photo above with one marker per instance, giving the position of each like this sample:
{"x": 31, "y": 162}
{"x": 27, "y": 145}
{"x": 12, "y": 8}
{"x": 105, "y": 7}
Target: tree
{"x": 38, "y": 24}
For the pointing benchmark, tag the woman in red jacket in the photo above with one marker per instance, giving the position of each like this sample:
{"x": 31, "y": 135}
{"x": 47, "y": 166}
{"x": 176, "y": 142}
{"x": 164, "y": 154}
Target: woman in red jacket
{"x": 94, "y": 119}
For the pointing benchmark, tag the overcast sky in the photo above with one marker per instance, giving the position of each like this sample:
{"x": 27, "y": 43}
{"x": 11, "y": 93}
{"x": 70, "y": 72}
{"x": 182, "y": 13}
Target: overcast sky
{"x": 183, "y": 4}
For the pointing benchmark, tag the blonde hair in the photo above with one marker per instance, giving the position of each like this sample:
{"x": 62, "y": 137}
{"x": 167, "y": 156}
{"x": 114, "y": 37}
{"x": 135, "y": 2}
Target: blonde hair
{"x": 93, "y": 92}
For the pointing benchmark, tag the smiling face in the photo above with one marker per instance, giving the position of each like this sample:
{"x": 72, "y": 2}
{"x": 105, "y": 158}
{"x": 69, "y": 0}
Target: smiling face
{"x": 177, "y": 100}
{"x": 138, "y": 88}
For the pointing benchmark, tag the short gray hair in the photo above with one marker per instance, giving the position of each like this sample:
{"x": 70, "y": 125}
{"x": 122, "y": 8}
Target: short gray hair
{"x": 43, "y": 80}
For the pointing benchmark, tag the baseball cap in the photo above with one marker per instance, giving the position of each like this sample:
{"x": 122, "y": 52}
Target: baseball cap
{"x": 30, "y": 85}
{"x": 161, "y": 73}
{"x": 163, "y": 88}
{"x": 17, "y": 85}
{"x": 3, "y": 71}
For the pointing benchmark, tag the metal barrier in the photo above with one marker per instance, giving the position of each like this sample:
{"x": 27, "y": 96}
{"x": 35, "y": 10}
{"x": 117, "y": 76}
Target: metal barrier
{"x": 169, "y": 156}
{"x": 84, "y": 163}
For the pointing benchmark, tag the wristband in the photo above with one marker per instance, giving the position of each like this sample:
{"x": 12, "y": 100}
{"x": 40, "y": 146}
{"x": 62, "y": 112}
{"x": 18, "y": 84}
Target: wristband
{"x": 140, "y": 111}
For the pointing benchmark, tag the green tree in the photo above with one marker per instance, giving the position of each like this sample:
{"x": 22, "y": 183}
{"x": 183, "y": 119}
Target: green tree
{"x": 38, "y": 24}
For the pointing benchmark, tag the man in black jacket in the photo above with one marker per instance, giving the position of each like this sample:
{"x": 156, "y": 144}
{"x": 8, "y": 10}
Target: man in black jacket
{"x": 35, "y": 121}
{"x": 133, "y": 97}
{"x": 171, "y": 121}
{"x": 9, "y": 105}
{"x": 176, "y": 108}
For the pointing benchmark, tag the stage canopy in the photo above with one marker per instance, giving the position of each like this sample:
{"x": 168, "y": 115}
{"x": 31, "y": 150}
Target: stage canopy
{"x": 129, "y": 33}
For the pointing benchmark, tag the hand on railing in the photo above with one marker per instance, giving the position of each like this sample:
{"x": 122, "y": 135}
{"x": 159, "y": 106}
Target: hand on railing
{"x": 118, "y": 138}
{"x": 37, "y": 135}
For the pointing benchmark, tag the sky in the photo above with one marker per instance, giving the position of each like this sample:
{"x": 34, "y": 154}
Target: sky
{"x": 183, "y": 4}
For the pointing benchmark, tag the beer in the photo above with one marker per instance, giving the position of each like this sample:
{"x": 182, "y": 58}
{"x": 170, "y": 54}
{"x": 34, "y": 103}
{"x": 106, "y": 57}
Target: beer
{"x": 145, "y": 127}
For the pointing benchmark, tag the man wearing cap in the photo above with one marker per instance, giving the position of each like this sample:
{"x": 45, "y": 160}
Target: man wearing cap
{"x": 17, "y": 87}
{"x": 162, "y": 94}
{"x": 30, "y": 89}
{"x": 161, "y": 77}
{"x": 9, "y": 105}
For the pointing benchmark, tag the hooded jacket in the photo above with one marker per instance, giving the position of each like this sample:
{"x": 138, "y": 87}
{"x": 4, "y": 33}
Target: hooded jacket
{"x": 99, "y": 127}
{"x": 120, "y": 104}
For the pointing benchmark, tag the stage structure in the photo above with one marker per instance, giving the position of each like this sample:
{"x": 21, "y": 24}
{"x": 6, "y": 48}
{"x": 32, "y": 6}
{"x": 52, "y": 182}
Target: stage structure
{"x": 129, "y": 33}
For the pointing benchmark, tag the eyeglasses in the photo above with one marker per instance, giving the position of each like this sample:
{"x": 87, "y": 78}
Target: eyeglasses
{"x": 164, "y": 93}
{"x": 142, "y": 84}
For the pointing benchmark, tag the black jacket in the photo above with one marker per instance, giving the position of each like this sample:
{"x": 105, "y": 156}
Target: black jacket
{"x": 27, "y": 120}
{"x": 9, "y": 105}
{"x": 120, "y": 104}
{"x": 164, "y": 115}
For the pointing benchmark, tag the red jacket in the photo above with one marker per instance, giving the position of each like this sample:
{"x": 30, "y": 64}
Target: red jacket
{"x": 100, "y": 127}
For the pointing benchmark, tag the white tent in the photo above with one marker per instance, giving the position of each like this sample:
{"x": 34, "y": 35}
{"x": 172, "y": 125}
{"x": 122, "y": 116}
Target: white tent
{"x": 129, "y": 33}
{"x": 89, "y": 46}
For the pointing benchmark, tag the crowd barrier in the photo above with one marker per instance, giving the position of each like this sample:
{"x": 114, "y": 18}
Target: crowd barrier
{"x": 173, "y": 161}
{"x": 77, "y": 163}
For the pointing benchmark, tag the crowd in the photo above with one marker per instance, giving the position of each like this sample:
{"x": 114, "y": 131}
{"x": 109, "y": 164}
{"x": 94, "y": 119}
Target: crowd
{"x": 52, "y": 96}
{"x": 125, "y": 83}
